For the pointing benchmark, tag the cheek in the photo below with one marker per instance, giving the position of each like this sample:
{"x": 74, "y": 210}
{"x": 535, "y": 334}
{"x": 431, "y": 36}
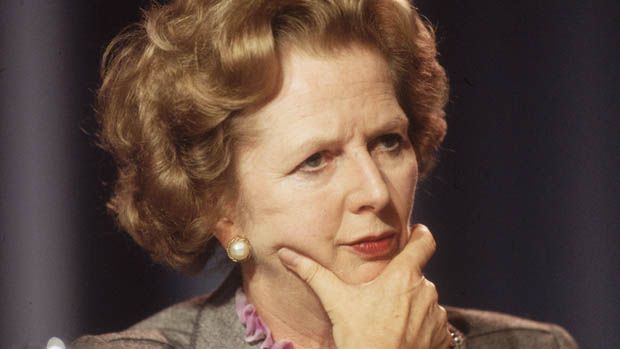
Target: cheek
{"x": 281, "y": 216}
{"x": 407, "y": 185}
{"x": 403, "y": 179}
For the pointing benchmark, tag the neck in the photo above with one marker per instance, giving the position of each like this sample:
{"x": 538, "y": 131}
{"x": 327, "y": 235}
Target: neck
{"x": 290, "y": 309}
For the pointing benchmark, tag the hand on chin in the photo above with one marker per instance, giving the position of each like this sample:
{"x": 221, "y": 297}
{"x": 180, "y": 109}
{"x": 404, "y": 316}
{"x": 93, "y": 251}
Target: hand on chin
{"x": 363, "y": 271}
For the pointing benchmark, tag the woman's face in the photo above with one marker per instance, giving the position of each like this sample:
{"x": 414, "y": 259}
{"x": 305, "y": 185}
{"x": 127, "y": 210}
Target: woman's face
{"x": 332, "y": 173}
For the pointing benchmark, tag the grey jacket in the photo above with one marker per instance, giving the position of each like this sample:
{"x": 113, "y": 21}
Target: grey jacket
{"x": 210, "y": 322}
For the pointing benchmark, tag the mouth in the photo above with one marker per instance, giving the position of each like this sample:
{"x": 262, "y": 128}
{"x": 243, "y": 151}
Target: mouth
{"x": 372, "y": 247}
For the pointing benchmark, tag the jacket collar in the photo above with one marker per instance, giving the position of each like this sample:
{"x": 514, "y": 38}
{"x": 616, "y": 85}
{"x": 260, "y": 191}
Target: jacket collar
{"x": 218, "y": 326}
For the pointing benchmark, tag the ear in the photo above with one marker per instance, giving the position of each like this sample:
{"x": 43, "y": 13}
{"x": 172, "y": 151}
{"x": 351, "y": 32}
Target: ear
{"x": 225, "y": 230}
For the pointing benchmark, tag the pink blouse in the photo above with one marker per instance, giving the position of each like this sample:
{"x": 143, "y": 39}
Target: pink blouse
{"x": 255, "y": 328}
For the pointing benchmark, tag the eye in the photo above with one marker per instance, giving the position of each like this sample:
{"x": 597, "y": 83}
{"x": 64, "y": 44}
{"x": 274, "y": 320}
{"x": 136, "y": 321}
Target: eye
{"x": 314, "y": 163}
{"x": 391, "y": 142}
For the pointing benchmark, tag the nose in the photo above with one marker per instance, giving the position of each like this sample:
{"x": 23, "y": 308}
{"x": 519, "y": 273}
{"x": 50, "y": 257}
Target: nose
{"x": 368, "y": 190}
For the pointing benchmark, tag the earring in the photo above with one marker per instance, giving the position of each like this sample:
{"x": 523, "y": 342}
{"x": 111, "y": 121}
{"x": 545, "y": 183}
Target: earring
{"x": 239, "y": 249}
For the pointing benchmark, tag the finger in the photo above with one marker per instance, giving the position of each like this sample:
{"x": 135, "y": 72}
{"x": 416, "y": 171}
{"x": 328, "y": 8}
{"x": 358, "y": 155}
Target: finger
{"x": 418, "y": 251}
{"x": 433, "y": 324}
{"x": 444, "y": 341}
{"x": 441, "y": 337}
{"x": 422, "y": 312}
{"x": 323, "y": 282}
{"x": 430, "y": 294}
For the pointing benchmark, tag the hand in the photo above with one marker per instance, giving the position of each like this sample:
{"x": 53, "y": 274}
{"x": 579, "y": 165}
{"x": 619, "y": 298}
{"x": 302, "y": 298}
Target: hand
{"x": 398, "y": 309}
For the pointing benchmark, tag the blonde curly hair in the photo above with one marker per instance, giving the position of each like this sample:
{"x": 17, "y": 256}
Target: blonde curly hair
{"x": 174, "y": 86}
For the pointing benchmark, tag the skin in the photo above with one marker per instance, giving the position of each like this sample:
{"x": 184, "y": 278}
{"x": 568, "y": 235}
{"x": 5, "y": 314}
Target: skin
{"x": 331, "y": 163}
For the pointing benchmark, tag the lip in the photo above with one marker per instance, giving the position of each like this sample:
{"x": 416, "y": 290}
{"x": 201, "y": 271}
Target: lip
{"x": 375, "y": 245}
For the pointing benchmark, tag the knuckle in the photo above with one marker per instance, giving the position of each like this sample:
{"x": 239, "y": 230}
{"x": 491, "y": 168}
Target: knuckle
{"x": 430, "y": 240}
{"x": 443, "y": 315}
{"x": 430, "y": 285}
{"x": 434, "y": 297}
{"x": 426, "y": 239}
{"x": 418, "y": 281}
{"x": 420, "y": 227}
{"x": 431, "y": 290}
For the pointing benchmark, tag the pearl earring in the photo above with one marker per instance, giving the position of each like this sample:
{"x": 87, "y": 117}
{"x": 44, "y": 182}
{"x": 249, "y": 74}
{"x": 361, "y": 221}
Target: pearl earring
{"x": 239, "y": 249}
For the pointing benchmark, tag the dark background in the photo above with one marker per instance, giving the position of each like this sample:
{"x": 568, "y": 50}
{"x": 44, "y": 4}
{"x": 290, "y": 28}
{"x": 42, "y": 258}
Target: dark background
{"x": 525, "y": 202}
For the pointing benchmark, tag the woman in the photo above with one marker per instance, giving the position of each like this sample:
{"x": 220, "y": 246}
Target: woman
{"x": 292, "y": 134}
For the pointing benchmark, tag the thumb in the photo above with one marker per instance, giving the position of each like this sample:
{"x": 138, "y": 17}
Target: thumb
{"x": 321, "y": 280}
{"x": 418, "y": 250}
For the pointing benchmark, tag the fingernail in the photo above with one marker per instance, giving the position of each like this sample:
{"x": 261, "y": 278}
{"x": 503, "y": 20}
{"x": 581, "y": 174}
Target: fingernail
{"x": 288, "y": 257}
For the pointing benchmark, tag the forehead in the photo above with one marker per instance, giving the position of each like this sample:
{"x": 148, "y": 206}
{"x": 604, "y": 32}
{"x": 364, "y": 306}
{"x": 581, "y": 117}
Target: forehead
{"x": 312, "y": 76}
{"x": 352, "y": 79}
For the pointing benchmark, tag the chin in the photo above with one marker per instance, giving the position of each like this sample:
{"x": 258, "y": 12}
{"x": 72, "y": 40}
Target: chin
{"x": 365, "y": 272}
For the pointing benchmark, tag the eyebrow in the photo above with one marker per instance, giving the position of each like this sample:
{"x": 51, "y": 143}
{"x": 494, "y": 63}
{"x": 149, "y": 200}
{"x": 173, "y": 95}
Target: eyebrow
{"x": 400, "y": 122}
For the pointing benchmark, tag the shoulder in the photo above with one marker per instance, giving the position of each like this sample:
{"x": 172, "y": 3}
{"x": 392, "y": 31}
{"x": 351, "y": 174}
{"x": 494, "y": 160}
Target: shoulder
{"x": 169, "y": 328}
{"x": 135, "y": 339}
{"x": 208, "y": 321}
{"x": 486, "y": 329}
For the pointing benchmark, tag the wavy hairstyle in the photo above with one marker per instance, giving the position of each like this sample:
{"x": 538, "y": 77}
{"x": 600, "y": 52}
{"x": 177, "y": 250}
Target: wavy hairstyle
{"x": 174, "y": 86}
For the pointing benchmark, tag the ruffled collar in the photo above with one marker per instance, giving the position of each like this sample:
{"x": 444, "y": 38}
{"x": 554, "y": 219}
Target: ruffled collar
{"x": 255, "y": 328}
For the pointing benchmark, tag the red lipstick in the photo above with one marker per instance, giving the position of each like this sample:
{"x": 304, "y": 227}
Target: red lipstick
{"x": 374, "y": 247}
